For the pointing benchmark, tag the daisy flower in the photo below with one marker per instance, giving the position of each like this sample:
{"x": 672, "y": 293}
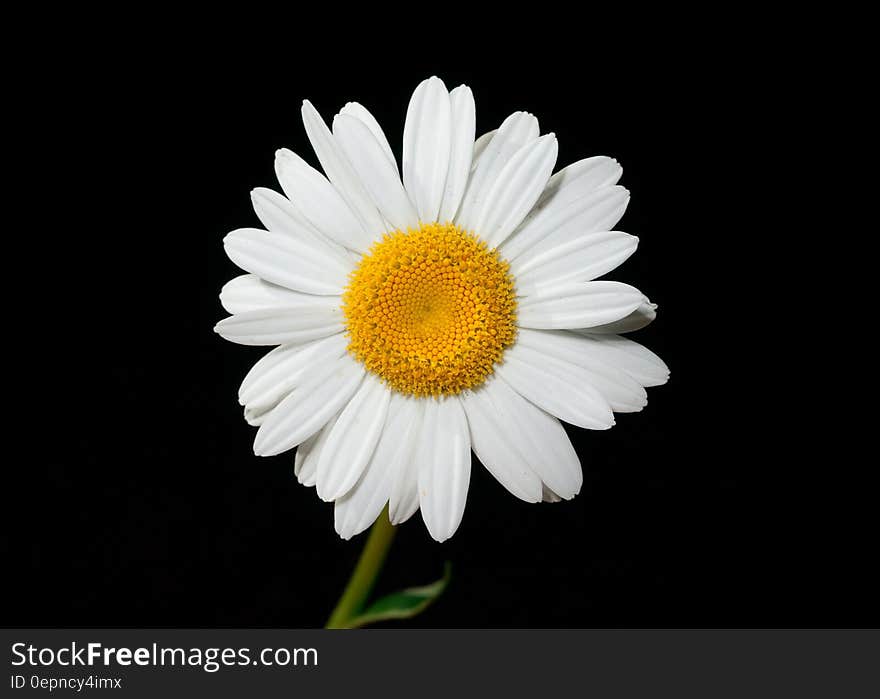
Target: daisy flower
{"x": 426, "y": 313}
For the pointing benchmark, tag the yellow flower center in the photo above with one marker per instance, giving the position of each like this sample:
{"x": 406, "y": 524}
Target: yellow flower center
{"x": 431, "y": 310}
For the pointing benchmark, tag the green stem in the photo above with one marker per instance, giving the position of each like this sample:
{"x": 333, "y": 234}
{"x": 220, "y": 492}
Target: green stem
{"x": 365, "y": 573}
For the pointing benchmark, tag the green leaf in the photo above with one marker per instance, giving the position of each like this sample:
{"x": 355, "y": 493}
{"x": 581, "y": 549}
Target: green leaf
{"x": 404, "y": 604}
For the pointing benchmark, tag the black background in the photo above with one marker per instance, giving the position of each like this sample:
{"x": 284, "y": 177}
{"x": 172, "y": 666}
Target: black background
{"x": 143, "y": 503}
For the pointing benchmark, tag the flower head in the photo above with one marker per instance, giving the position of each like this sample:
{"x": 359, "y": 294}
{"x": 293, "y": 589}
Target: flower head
{"x": 422, "y": 316}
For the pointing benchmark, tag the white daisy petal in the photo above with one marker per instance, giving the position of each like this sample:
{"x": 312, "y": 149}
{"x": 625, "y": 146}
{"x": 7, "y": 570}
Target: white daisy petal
{"x": 636, "y": 320}
{"x": 515, "y": 190}
{"x": 427, "y": 136}
{"x": 305, "y": 464}
{"x": 277, "y": 214}
{"x": 280, "y": 216}
{"x": 555, "y": 459}
{"x": 318, "y": 201}
{"x": 577, "y": 305}
{"x": 353, "y": 439}
{"x": 516, "y": 131}
{"x": 480, "y": 145}
{"x": 540, "y": 439}
{"x": 496, "y": 441}
{"x": 622, "y": 392}
{"x": 250, "y": 293}
{"x": 340, "y": 173}
{"x": 577, "y": 180}
{"x": 279, "y": 326}
{"x": 461, "y": 101}
{"x": 256, "y": 416}
{"x": 404, "y": 500}
{"x": 556, "y": 225}
{"x": 301, "y": 458}
{"x": 285, "y": 367}
{"x": 377, "y": 172}
{"x": 358, "y": 111}
{"x": 358, "y": 509}
{"x": 555, "y": 387}
{"x": 294, "y": 264}
{"x": 445, "y": 472}
{"x": 308, "y": 408}
{"x": 578, "y": 260}
{"x": 265, "y": 398}
{"x": 258, "y": 410}
{"x": 635, "y": 359}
